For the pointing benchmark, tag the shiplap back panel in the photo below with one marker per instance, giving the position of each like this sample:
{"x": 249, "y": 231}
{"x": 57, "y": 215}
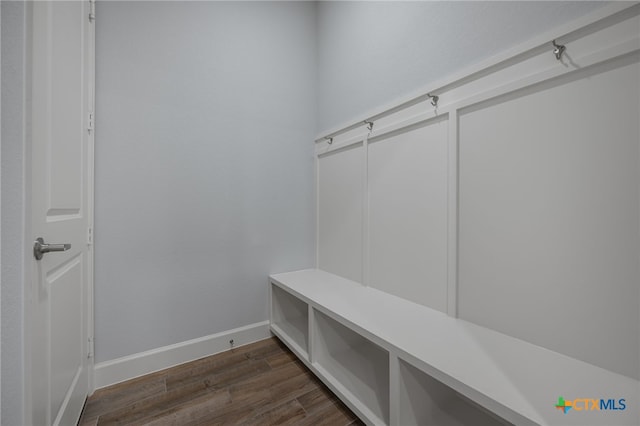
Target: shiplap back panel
{"x": 407, "y": 179}
{"x": 549, "y": 236}
{"x": 340, "y": 198}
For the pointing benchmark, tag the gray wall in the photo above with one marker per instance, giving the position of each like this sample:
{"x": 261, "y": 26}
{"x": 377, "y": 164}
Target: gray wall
{"x": 205, "y": 119}
{"x": 12, "y": 224}
{"x": 371, "y": 53}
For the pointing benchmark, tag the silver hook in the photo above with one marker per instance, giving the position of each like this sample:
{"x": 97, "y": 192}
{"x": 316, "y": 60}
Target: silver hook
{"x": 559, "y": 49}
{"x": 329, "y": 140}
{"x": 369, "y": 124}
{"x": 434, "y": 99}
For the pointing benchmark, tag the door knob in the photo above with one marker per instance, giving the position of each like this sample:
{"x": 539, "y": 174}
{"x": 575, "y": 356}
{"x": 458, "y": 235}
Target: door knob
{"x": 40, "y": 248}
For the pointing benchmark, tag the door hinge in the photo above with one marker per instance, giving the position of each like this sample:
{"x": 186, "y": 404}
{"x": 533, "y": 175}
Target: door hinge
{"x": 90, "y": 348}
{"x": 91, "y": 121}
{"x": 89, "y": 236}
{"x": 92, "y": 10}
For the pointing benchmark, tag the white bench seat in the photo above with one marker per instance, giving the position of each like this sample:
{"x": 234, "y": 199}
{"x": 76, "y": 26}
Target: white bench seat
{"x": 517, "y": 381}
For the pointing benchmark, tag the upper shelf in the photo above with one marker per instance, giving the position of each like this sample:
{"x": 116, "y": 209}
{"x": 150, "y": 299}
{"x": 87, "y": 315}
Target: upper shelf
{"x": 517, "y": 380}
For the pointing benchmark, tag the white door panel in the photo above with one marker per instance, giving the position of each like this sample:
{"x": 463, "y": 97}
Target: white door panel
{"x": 60, "y": 304}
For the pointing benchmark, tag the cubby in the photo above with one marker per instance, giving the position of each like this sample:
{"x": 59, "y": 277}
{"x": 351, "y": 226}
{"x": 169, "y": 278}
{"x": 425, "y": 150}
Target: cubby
{"x": 424, "y": 400}
{"x": 354, "y": 365}
{"x": 394, "y": 362}
{"x": 290, "y": 320}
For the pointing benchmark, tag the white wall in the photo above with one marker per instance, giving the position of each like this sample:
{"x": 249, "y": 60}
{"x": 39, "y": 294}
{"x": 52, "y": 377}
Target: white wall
{"x": 13, "y": 247}
{"x": 371, "y": 53}
{"x": 549, "y": 233}
{"x": 205, "y": 118}
{"x": 340, "y": 212}
{"x": 407, "y": 209}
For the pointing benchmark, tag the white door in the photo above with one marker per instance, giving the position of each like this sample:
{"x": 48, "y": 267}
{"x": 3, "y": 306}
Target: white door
{"x": 60, "y": 304}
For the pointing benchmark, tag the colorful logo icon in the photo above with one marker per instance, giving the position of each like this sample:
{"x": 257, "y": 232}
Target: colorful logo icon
{"x": 563, "y": 405}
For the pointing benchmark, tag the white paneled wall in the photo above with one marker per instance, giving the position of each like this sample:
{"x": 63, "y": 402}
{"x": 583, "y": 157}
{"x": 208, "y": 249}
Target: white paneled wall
{"x": 514, "y": 204}
{"x": 340, "y": 198}
{"x": 549, "y": 209}
{"x": 407, "y": 172}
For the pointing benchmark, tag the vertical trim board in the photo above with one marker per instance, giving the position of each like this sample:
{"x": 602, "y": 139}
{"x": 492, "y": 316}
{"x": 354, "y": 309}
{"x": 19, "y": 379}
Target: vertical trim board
{"x": 452, "y": 215}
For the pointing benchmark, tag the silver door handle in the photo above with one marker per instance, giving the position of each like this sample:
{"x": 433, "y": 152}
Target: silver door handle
{"x": 40, "y": 248}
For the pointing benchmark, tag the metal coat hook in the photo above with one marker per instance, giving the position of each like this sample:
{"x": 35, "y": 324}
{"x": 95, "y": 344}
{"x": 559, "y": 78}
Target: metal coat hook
{"x": 329, "y": 140}
{"x": 434, "y": 99}
{"x": 558, "y": 49}
{"x": 369, "y": 124}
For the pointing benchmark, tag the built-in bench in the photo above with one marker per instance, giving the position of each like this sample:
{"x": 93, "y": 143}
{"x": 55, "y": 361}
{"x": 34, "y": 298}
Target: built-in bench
{"x": 396, "y": 362}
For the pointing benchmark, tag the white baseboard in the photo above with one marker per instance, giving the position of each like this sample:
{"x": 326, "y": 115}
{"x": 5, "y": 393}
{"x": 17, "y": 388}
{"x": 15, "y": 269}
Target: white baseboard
{"x": 118, "y": 370}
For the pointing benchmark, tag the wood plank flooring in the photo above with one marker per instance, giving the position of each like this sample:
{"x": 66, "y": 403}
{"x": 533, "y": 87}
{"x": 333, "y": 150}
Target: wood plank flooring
{"x": 258, "y": 384}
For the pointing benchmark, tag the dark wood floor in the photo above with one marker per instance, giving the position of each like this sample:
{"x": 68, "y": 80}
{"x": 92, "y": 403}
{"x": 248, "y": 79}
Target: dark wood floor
{"x": 258, "y": 384}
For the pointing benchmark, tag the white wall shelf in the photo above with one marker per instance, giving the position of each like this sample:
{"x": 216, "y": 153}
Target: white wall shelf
{"x": 457, "y": 365}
